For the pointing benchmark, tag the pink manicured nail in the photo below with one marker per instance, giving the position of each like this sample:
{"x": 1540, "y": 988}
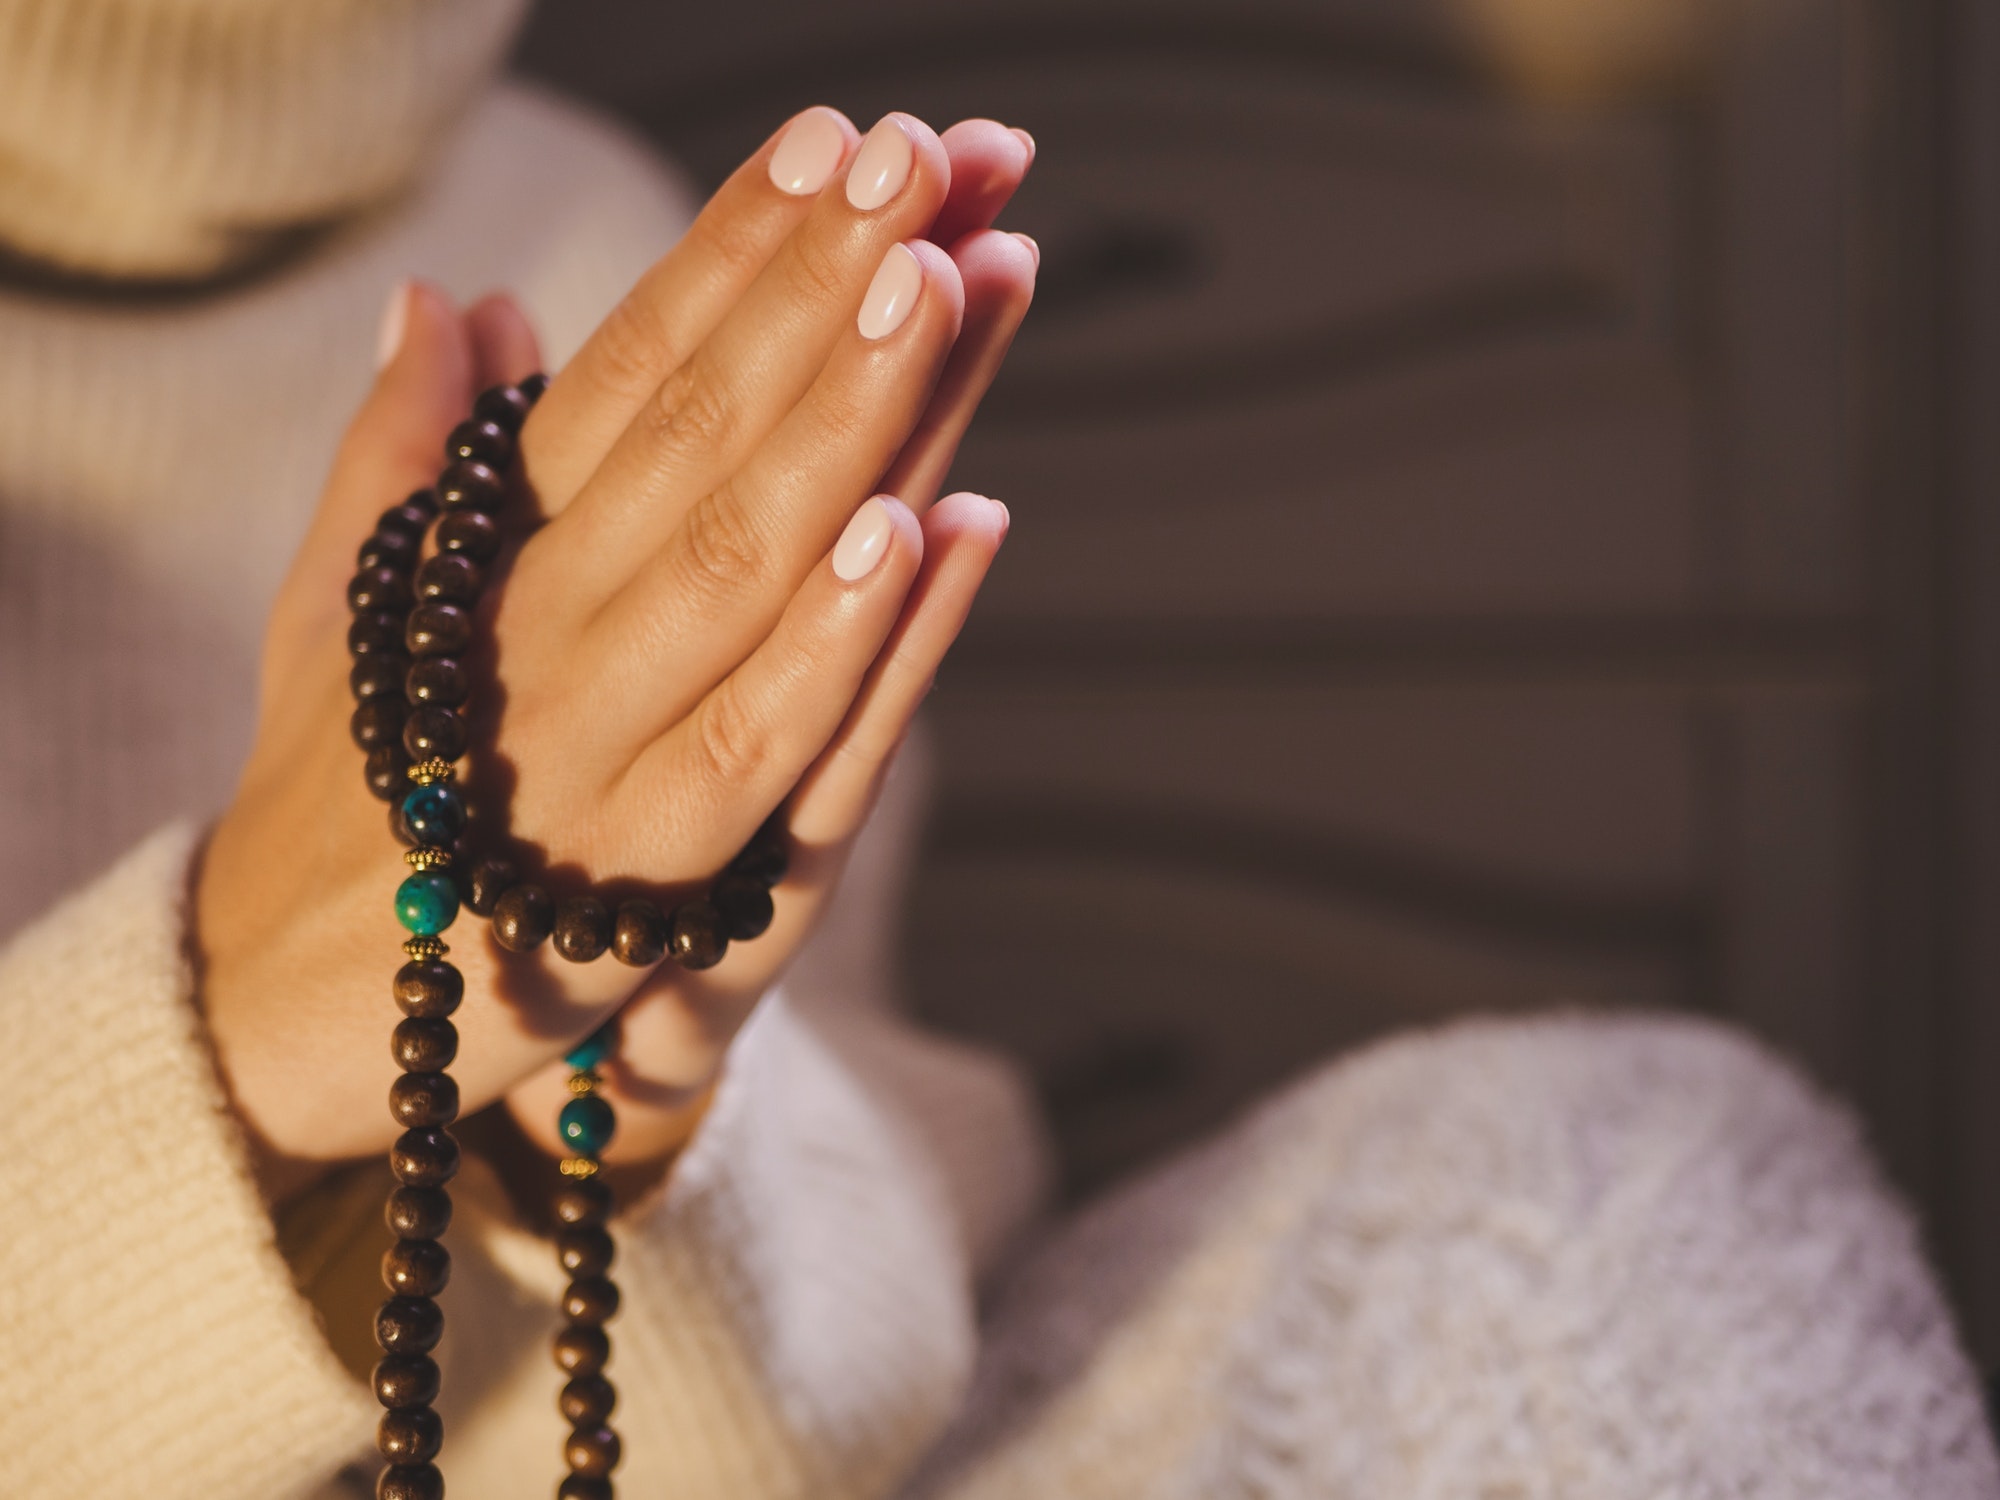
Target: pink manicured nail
{"x": 881, "y": 166}
{"x": 864, "y": 543}
{"x": 808, "y": 152}
{"x": 395, "y": 322}
{"x": 894, "y": 291}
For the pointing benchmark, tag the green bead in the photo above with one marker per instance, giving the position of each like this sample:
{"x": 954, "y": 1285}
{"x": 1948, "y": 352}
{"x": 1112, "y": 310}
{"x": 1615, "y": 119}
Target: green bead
{"x": 593, "y": 1049}
{"x": 427, "y": 903}
{"x": 586, "y": 1125}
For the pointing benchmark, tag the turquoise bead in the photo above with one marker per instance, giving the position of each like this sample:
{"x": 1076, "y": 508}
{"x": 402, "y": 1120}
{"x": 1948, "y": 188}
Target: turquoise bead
{"x": 427, "y": 903}
{"x": 434, "y": 814}
{"x": 586, "y": 1125}
{"x": 593, "y": 1049}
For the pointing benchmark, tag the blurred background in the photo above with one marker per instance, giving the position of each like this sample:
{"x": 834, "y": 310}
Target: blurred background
{"x": 1507, "y": 514}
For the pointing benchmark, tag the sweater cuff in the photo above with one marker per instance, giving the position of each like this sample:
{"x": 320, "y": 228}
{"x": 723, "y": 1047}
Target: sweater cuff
{"x": 139, "y": 1273}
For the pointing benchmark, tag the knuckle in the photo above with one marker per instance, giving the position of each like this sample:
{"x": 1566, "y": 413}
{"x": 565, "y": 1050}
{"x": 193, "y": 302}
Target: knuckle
{"x": 818, "y": 271}
{"x": 721, "y": 557}
{"x": 734, "y": 241}
{"x": 731, "y": 740}
{"x": 632, "y": 345}
{"x": 693, "y": 411}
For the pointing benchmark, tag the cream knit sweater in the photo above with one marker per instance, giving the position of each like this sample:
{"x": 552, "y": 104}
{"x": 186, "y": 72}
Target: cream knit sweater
{"x": 1559, "y": 1258}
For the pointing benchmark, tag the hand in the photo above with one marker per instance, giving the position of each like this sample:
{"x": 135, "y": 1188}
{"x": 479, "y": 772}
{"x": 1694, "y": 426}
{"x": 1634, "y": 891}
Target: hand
{"x": 676, "y": 650}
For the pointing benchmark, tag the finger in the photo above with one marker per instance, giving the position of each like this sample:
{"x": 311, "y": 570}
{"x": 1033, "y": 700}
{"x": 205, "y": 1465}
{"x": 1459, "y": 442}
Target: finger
{"x": 679, "y": 302}
{"x": 504, "y": 347}
{"x": 703, "y": 602}
{"x": 711, "y": 413}
{"x": 998, "y": 271}
{"x": 988, "y": 162}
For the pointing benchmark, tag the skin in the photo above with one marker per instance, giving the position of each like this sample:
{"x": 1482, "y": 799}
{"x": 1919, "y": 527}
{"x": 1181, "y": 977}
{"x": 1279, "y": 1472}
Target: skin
{"x": 676, "y": 655}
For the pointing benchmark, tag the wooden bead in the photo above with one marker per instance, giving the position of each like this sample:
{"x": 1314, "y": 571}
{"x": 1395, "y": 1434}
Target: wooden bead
{"x": 504, "y": 406}
{"x": 424, "y": 1099}
{"x": 374, "y": 633}
{"x": 639, "y": 937}
{"x": 428, "y": 987}
{"x": 489, "y": 881}
{"x": 522, "y": 918}
{"x": 389, "y": 549}
{"x": 697, "y": 940}
{"x": 587, "y": 1401}
{"x": 768, "y": 854}
{"x": 592, "y": 1452}
{"x": 416, "y": 1213}
{"x": 480, "y": 441}
{"x": 583, "y": 1203}
{"x": 467, "y": 485}
{"x": 424, "y": 1157}
{"x": 470, "y": 533}
{"x": 377, "y": 674}
{"x": 437, "y": 630}
{"x": 441, "y": 680}
{"x": 450, "y": 577}
{"x": 411, "y": 1436}
{"x": 431, "y": 731}
{"x": 410, "y": 1482}
{"x": 582, "y": 1349}
{"x": 378, "y": 721}
{"x": 424, "y": 1044}
{"x": 590, "y": 1299}
{"x": 387, "y": 772}
{"x": 533, "y": 386}
{"x": 379, "y": 587}
{"x": 583, "y": 928}
{"x": 409, "y": 1325}
{"x": 745, "y": 905}
{"x": 412, "y": 518}
{"x": 406, "y": 1380}
{"x": 581, "y": 1487}
{"x": 584, "y": 1251}
{"x": 416, "y": 1268}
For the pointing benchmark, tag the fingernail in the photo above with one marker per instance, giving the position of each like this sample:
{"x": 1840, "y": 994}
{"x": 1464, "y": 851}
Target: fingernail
{"x": 395, "y": 322}
{"x": 1006, "y": 517}
{"x": 864, "y": 542}
{"x": 881, "y": 166}
{"x": 808, "y": 152}
{"x": 892, "y": 293}
{"x": 1033, "y": 248}
{"x": 1025, "y": 139}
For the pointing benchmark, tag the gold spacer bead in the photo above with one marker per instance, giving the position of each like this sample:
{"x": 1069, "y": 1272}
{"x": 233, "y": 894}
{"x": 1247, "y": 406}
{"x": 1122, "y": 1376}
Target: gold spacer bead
{"x": 424, "y": 772}
{"x": 425, "y": 948}
{"x": 578, "y": 1166}
{"x": 582, "y": 1083}
{"x": 426, "y": 857}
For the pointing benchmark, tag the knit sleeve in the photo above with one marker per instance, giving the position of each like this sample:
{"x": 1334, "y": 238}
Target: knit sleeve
{"x": 155, "y": 1343}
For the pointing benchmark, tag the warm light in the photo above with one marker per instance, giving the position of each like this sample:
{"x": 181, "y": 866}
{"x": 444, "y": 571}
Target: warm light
{"x": 1570, "y": 48}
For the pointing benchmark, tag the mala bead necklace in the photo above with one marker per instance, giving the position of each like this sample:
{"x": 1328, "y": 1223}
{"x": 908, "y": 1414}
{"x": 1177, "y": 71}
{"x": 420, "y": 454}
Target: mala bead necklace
{"x": 413, "y": 622}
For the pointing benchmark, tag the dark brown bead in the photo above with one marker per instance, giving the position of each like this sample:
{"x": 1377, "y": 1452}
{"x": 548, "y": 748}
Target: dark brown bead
{"x": 582, "y": 1487}
{"x": 583, "y": 928}
{"x": 697, "y": 941}
{"x": 490, "y": 880}
{"x": 522, "y": 918}
{"x": 378, "y": 588}
{"x": 376, "y": 722}
{"x": 377, "y": 674}
{"x": 592, "y": 1452}
{"x": 409, "y": 1325}
{"x": 451, "y": 577}
{"x": 587, "y": 1401}
{"x": 424, "y": 1157}
{"x": 410, "y": 1482}
{"x": 424, "y": 1044}
{"x": 388, "y": 772}
{"x": 412, "y": 518}
{"x": 582, "y": 1349}
{"x": 428, "y": 987}
{"x": 413, "y": 1436}
{"x": 431, "y": 731}
{"x": 590, "y": 1299}
{"x": 480, "y": 441}
{"x": 416, "y": 1268}
{"x": 745, "y": 905}
{"x": 375, "y": 633}
{"x": 766, "y": 857}
{"x": 414, "y": 1213}
{"x": 583, "y": 1203}
{"x": 406, "y": 1380}
{"x": 389, "y": 549}
{"x": 466, "y": 485}
{"x": 533, "y": 386}
{"x": 639, "y": 936}
{"x": 441, "y": 680}
{"x": 437, "y": 630}
{"x": 471, "y": 533}
{"x": 584, "y": 1252}
{"x": 504, "y": 406}
{"x": 424, "y": 1099}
